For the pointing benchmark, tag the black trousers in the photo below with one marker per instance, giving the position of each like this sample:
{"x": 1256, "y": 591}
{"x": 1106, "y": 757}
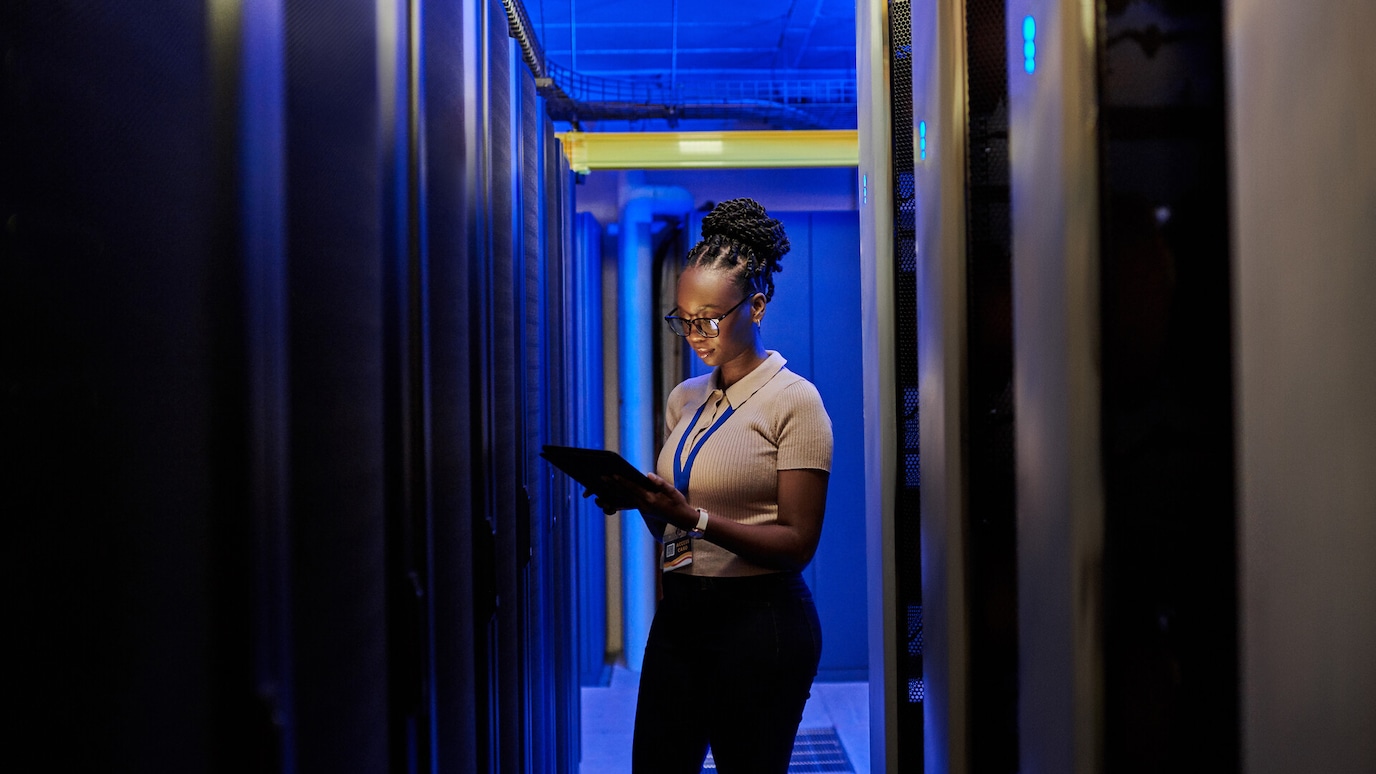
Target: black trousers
{"x": 729, "y": 663}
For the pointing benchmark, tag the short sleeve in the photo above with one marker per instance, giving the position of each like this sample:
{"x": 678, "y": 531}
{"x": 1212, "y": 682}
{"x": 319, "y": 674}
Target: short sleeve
{"x": 804, "y": 429}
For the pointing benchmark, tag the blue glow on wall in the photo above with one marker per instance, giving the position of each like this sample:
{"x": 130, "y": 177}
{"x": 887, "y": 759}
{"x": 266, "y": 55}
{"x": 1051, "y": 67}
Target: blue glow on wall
{"x": 922, "y": 140}
{"x": 1029, "y": 44}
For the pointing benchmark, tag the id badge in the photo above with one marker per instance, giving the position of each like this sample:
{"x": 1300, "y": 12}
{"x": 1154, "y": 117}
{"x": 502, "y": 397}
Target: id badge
{"x": 678, "y": 550}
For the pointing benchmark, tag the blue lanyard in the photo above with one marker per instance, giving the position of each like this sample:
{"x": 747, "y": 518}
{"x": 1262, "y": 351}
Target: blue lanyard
{"x": 683, "y": 471}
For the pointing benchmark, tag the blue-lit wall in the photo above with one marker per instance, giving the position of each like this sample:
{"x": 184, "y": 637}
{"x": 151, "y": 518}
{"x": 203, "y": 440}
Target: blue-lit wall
{"x": 814, "y": 322}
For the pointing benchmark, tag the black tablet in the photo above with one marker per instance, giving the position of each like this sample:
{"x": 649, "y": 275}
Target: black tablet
{"x": 593, "y": 468}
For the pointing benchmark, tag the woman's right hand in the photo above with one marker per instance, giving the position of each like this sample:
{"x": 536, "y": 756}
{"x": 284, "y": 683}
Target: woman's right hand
{"x": 605, "y": 502}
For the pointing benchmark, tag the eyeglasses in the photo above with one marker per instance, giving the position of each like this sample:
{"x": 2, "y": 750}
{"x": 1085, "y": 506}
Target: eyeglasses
{"x": 706, "y": 326}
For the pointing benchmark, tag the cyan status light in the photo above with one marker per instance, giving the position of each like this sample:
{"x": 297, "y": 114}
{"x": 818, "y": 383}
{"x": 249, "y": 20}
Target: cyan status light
{"x": 922, "y": 139}
{"x": 1029, "y": 44}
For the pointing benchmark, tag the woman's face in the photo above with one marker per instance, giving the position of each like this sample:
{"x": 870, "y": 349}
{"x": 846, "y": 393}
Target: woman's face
{"x": 706, "y": 292}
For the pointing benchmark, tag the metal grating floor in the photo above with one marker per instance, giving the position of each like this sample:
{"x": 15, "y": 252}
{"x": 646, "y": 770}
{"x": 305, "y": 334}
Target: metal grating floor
{"x": 814, "y": 750}
{"x": 835, "y": 711}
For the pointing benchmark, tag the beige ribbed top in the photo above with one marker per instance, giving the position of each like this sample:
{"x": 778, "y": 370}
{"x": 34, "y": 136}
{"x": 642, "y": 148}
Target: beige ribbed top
{"x": 779, "y": 423}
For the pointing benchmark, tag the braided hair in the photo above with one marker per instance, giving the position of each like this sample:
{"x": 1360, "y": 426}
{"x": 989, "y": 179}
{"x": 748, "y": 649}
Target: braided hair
{"x": 739, "y": 236}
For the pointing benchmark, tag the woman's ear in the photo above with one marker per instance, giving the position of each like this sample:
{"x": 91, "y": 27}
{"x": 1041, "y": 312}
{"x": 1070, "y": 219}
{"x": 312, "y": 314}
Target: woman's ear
{"x": 757, "y": 308}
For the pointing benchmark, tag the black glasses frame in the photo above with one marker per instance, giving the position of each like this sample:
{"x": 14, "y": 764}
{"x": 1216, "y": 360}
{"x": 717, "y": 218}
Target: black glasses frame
{"x": 710, "y": 327}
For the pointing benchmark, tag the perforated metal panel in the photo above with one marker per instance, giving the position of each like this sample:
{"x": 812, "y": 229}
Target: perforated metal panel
{"x": 530, "y": 729}
{"x": 507, "y": 504}
{"x": 907, "y": 543}
{"x": 338, "y": 370}
{"x": 215, "y": 292}
{"x": 122, "y": 410}
{"x": 815, "y": 750}
{"x": 449, "y": 175}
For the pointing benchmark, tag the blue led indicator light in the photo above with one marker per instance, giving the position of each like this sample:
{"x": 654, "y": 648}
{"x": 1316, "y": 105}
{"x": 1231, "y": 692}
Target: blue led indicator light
{"x": 922, "y": 139}
{"x": 1029, "y": 44}
{"x": 864, "y": 189}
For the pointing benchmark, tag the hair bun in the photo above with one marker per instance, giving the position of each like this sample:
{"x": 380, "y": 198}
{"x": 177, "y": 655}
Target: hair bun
{"x": 746, "y": 221}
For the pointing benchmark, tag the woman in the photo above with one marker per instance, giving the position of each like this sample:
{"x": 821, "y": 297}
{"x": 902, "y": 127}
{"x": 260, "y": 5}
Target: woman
{"x": 738, "y": 504}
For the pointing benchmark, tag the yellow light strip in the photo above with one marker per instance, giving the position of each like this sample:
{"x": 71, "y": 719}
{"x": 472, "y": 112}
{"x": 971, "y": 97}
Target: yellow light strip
{"x": 587, "y": 151}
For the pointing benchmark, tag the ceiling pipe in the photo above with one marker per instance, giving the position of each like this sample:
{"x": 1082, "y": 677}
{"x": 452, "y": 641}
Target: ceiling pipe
{"x": 637, "y": 318}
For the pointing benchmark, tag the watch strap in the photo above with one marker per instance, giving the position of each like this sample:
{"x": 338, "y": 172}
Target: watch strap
{"x": 701, "y": 528}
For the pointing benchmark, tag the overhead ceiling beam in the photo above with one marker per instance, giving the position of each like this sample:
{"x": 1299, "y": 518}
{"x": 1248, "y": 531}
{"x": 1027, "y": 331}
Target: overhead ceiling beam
{"x": 587, "y": 151}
